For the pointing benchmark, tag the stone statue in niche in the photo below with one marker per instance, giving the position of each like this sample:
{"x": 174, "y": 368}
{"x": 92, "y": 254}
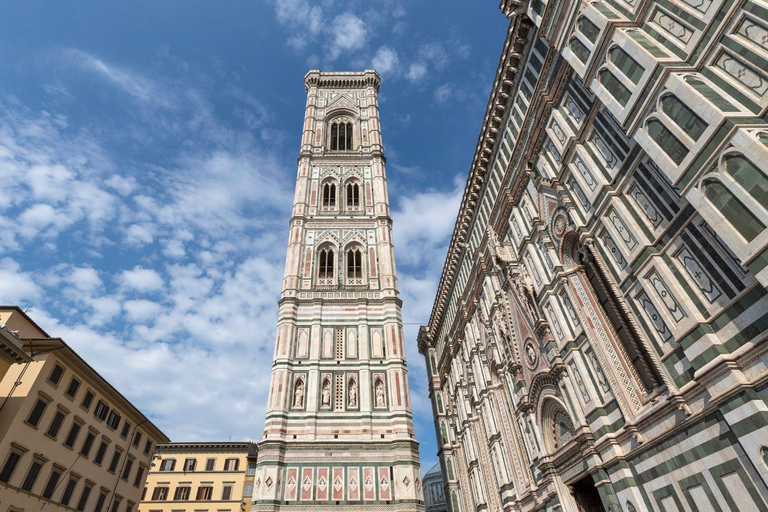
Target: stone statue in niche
{"x": 326, "y": 393}
{"x": 531, "y": 353}
{"x": 379, "y": 393}
{"x": 298, "y": 394}
{"x": 352, "y": 393}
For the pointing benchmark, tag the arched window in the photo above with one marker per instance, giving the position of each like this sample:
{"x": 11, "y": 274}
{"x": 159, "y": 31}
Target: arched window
{"x": 733, "y": 210}
{"x": 746, "y": 174}
{"x": 666, "y": 141}
{"x": 617, "y": 89}
{"x": 588, "y": 28}
{"x": 353, "y": 195}
{"x": 683, "y": 116}
{"x": 578, "y": 49}
{"x": 354, "y": 266}
{"x": 341, "y": 135}
{"x": 626, "y": 64}
{"x": 329, "y": 195}
{"x": 616, "y": 314}
{"x": 325, "y": 263}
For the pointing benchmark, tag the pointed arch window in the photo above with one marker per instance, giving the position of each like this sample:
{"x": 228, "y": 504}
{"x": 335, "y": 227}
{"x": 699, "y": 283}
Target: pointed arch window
{"x": 666, "y": 141}
{"x": 683, "y": 116}
{"x": 614, "y": 87}
{"x": 325, "y": 264}
{"x": 341, "y": 135}
{"x": 578, "y": 49}
{"x": 354, "y": 266}
{"x": 745, "y": 222}
{"x": 329, "y": 196}
{"x": 746, "y": 174}
{"x": 589, "y": 29}
{"x": 353, "y": 195}
{"x": 626, "y": 64}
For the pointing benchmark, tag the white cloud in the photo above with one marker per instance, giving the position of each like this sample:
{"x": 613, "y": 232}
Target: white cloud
{"x": 385, "y": 61}
{"x": 141, "y": 279}
{"x": 350, "y": 33}
{"x": 417, "y": 72}
{"x": 443, "y": 93}
{"x": 141, "y": 310}
{"x": 17, "y": 286}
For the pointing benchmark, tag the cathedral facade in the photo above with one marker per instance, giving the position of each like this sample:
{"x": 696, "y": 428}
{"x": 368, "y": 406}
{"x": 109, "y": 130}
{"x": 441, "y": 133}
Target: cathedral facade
{"x": 599, "y": 338}
{"x": 339, "y": 429}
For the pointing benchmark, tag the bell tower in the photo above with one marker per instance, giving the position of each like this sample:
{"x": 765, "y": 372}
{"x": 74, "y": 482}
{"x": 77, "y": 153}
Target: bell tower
{"x": 339, "y": 429}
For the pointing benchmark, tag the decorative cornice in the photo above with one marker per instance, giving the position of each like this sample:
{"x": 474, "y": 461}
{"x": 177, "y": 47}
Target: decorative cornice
{"x": 504, "y": 85}
{"x": 342, "y": 79}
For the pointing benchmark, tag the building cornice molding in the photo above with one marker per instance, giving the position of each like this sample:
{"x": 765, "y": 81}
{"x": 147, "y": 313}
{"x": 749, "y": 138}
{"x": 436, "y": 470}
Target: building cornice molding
{"x": 517, "y": 42}
{"x": 342, "y": 79}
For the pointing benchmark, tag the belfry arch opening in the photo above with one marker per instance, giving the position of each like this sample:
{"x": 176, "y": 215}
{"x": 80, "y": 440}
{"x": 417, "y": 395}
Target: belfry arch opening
{"x": 634, "y": 348}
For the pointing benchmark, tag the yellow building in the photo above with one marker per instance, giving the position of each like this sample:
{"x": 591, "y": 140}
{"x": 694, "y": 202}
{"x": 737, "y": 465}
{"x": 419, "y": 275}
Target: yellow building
{"x": 200, "y": 477}
{"x": 68, "y": 439}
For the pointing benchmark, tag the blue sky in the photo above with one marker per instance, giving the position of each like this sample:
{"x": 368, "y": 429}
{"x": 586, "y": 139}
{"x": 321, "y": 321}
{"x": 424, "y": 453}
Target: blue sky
{"x": 148, "y": 157}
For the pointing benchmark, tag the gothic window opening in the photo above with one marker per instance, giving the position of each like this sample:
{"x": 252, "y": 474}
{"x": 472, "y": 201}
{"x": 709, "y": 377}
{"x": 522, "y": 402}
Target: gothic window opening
{"x": 329, "y": 196}
{"x": 747, "y": 174}
{"x": 325, "y": 264}
{"x": 588, "y": 28}
{"x": 634, "y": 349}
{"x": 354, "y": 266}
{"x": 578, "y": 49}
{"x": 614, "y": 87}
{"x": 353, "y": 195}
{"x": 341, "y": 135}
{"x": 683, "y": 116}
{"x": 745, "y": 222}
{"x": 667, "y": 141}
{"x": 626, "y": 64}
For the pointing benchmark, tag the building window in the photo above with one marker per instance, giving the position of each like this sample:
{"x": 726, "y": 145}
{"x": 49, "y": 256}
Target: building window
{"x": 116, "y": 504}
{"x": 68, "y": 491}
{"x": 588, "y": 28}
{"x": 748, "y": 176}
{"x": 126, "y": 429}
{"x": 204, "y": 493}
{"x": 251, "y": 469}
{"x": 55, "y": 375}
{"x": 113, "y": 421}
{"x": 9, "y": 467}
{"x": 210, "y": 464}
{"x": 101, "y": 452}
{"x": 190, "y": 464}
{"x": 579, "y": 50}
{"x": 353, "y": 195}
{"x": 37, "y": 412}
{"x": 127, "y": 469}
{"x": 354, "y": 263}
{"x": 74, "y": 431}
{"x": 87, "y": 444}
{"x": 83, "y": 498}
{"x": 115, "y": 461}
{"x": 53, "y": 481}
{"x": 87, "y": 400}
{"x": 168, "y": 465}
{"x": 226, "y": 493}
{"x": 326, "y": 263}
{"x": 634, "y": 348}
{"x": 147, "y": 446}
{"x": 32, "y": 474}
{"x": 329, "y": 195}
{"x": 614, "y": 87}
{"x": 684, "y": 117}
{"x": 139, "y": 475}
{"x": 100, "y": 502}
{"x": 626, "y": 64}
{"x": 160, "y": 494}
{"x": 55, "y": 426}
{"x": 231, "y": 464}
{"x": 666, "y": 141}
{"x": 74, "y": 385}
{"x": 137, "y": 439}
{"x": 248, "y": 491}
{"x": 101, "y": 411}
{"x": 182, "y": 493}
{"x": 341, "y": 135}
{"x": 129, "y": 506}
{"x": 745, "y": 222}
